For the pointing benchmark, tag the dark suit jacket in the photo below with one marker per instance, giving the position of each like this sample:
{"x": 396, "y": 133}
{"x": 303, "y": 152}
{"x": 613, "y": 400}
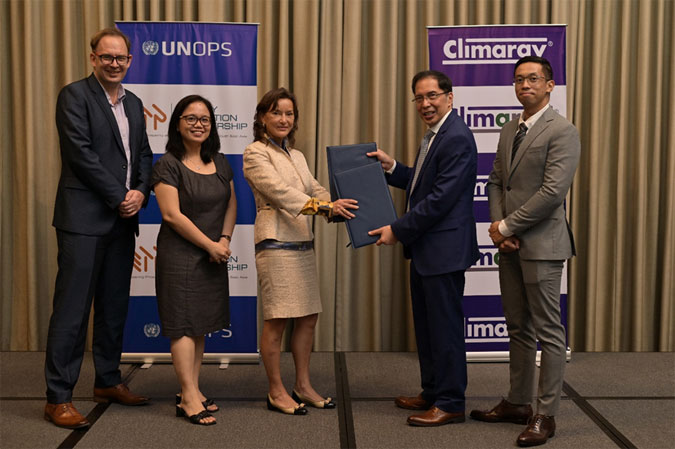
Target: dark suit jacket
{"x": 529, "y": 193}
{"x": 93, "y": 163}
{"x": 439, "y": 231}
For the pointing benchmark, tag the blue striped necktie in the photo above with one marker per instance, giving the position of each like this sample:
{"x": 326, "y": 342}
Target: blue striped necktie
{"x": 520, "y": 135}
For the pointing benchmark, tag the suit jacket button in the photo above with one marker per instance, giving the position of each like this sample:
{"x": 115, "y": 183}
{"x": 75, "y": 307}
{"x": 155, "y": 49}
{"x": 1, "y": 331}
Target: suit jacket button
{"x": 508, "y": 188}
{"x": 124, "y": 166}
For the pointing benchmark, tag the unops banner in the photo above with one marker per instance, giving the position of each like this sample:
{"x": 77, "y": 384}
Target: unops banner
{"x": 480, "y": 61}
{"x": 217, "y": 61}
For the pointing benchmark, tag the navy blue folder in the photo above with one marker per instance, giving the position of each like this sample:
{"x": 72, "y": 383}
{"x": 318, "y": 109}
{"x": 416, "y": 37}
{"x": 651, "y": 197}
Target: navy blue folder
{"x": 346, "y": 157}
{"x": 357, "y": 176}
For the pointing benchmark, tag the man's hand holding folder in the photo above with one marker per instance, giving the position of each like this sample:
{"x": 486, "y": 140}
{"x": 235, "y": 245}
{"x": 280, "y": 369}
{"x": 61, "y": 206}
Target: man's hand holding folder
{"x": 386, "y": 235}
{"x": 356, "y": 173}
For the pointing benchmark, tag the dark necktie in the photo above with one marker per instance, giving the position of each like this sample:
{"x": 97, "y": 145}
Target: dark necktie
{"x": 520, "y": 135}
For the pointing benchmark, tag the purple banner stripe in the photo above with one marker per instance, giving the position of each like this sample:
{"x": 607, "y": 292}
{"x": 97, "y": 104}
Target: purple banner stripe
{"x": 492, "y": 108}
{"x": 486, "y": 55}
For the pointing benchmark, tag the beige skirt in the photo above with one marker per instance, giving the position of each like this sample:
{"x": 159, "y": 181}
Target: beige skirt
{"x": 288, "y": 283}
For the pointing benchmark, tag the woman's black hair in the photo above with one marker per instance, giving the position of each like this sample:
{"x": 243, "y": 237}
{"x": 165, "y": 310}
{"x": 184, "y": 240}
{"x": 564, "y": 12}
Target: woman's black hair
{"x": 175, "y": 146}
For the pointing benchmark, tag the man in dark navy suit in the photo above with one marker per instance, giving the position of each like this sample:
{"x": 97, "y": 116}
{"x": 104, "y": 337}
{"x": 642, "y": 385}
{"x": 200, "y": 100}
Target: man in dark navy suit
{"x": 438, "y": 232}
{"x": 106, "y": 163}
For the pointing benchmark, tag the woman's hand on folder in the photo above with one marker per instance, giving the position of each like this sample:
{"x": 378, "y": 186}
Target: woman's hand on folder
{"x": 387, "y": 236}
{"x": 341, "y": 207}
{"x": 386, "y": 160}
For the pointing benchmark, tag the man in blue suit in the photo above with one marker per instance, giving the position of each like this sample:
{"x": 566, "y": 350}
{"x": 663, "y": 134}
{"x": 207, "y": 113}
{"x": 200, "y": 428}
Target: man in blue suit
{"x": 105, "y": 171}
{"x": 438, "y": 232}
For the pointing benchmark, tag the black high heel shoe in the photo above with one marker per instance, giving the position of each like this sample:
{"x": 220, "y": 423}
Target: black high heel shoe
{"x": 299, "y": 410}
{"x": 207, "y": 403}
{"x": 195, "y": 419}
{"x": 326, "y": 403}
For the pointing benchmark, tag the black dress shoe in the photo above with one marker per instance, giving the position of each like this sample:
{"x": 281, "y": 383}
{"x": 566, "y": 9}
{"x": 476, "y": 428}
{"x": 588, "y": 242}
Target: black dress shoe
{"x": 504, "y": 412}
{"x": 299, "y": 410}
{"x": 412, "y": 402}
{"x": 435, "y": 417}
{"x": 326, "y": 403}
{"x": 538, "y": 431}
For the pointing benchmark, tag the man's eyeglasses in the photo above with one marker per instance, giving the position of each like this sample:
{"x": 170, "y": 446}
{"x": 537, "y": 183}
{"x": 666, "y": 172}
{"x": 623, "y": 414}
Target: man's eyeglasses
{"x": 532, "y": 79}
{"x": 431, "y": 96}
{"x": 108, "y": 59}
{"x": 192, "y": 120}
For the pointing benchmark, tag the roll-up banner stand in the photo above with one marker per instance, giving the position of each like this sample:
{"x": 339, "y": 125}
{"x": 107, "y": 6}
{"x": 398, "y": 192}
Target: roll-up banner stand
{"x": 218, "y": 61}
{"x": 480, "y": 61}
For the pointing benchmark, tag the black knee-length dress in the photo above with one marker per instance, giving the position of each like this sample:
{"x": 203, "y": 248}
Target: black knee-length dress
{"x": 192, "y": 292}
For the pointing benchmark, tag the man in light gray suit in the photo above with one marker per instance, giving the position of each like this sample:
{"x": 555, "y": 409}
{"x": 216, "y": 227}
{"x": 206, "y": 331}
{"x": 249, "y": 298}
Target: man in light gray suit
{"x": 536, "y": 159}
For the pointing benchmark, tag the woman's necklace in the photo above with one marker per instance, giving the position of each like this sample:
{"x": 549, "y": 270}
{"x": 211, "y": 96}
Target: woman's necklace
{"x": 196, "y": 166}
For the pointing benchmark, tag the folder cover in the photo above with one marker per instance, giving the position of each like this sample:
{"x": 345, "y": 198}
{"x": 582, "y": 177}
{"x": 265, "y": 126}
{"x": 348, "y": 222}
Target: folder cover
{"x": 357, "y": 176}
{"x": 345, "y": 157}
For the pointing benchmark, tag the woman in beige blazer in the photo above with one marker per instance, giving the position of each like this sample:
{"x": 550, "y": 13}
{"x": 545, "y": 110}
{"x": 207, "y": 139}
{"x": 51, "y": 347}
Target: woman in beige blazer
{"x": 286, "y": 195}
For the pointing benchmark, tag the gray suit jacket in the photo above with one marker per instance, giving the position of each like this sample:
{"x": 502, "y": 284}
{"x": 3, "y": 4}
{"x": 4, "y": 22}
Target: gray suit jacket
{"x": 529, "y": 193}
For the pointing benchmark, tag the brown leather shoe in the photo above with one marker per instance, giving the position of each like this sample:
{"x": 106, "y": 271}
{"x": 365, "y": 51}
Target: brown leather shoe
{"x": 65, "y": 415}
{"x": 435, "y": 417}
{"x": 412, "y": 403}
{"x": 504, "y": 412}
{"x": 539, "y": 430}
{"x": 120, "y": 394}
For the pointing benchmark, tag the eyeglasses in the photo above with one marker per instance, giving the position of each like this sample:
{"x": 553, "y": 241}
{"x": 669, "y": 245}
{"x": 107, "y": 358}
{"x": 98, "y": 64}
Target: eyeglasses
{"x": 431, "y": 96}
{"x": 532, "y": 79}
{"x": 192, "y": 120}
{"x": 108, "y": 59}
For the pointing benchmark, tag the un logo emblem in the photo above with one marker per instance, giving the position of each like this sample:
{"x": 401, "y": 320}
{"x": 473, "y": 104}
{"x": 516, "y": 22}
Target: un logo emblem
{"x": 150, "y": 48}
{"x": 151, "y": 330}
